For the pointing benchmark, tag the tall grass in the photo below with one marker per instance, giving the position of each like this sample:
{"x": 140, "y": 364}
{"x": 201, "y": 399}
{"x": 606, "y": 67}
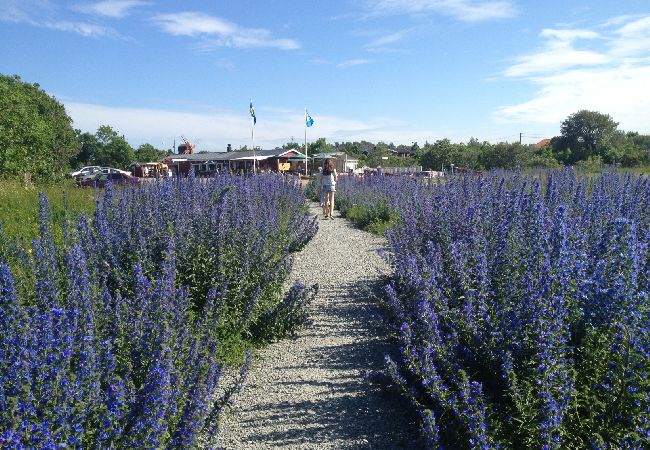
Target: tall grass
{"x": 19, "y": 206}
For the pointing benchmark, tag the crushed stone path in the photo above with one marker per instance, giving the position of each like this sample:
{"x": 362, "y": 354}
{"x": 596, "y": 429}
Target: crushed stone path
{"x": 310, "y": 392}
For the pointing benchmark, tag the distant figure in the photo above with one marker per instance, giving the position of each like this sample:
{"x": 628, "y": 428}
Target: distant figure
{"x": 328, "y": 185}
{"x": 320, "y": 190}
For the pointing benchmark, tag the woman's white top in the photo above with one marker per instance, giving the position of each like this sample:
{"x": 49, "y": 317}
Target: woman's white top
{"x": 329, "y": 180}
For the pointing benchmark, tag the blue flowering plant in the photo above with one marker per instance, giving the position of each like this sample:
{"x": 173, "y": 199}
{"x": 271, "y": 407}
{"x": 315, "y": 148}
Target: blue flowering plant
{"x": 117, "y": 338}
{"x": 521, "y": 307}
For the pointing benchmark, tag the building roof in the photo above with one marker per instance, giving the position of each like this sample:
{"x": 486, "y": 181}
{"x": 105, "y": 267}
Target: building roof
{"x": 334, "y": 155}
{"x": 327, "y": 155}
{"x": 233, "y": 156}
{"x": 542, "y": 143}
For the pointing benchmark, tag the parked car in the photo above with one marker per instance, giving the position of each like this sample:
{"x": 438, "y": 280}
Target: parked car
{"x": 91, "y": 176}
{"x": 88, "y": 170}
{"x": 100, "y": 179}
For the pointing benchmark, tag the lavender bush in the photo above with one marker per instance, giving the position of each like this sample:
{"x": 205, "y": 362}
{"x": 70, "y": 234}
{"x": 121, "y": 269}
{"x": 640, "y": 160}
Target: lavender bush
{"x": 372, "y": 203}
{"x": 522, "y": 309}
{"x": 114, "y": 339}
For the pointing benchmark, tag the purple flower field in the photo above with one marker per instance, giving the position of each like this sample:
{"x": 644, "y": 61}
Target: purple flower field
{"x": 118, "y": 336}
{"x": 521, "y": 306}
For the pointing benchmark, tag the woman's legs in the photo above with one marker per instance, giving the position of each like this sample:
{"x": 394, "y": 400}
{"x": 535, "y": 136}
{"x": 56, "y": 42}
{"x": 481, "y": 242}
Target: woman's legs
{"x": 329, "y": 204}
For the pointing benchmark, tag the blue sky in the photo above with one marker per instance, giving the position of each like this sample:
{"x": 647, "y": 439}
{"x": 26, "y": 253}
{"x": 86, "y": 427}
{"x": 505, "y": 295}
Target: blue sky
{"x": 381, "y": 70}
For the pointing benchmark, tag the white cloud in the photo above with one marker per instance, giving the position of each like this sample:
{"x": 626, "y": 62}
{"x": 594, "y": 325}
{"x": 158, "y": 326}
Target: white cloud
{"x": 354, "y": 62}
{"x": 44, "y": 14}
{"x": 319, "y": 61}
{"x": 24, "y": 11}
{"x": 219, "y": 32}
{"x": 214, "y": 129}
{"x": 387, "y": 39}
{"x": 612, "y": 79}
{"x": 111, "y": 8}
{"x": 632, "y": 39}
{"x": 557, "y": 54}
{"x": 82, "y": 28}
{"x": 463, "y": 10}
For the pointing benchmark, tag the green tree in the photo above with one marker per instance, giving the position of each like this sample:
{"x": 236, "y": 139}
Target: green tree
{"x": 584, "y": 134}
{"x": 293, "y": 146}
{"x": 441, "y": 153}
{"x": 540, "y": 157}
{"x": 320, "y": 145}
{"x": 640, "y": 140}
{"x": 149, "y": 153}
{"x": 36, "y": 134}
{"x": 88, "y": 149}
{"x": 114, "y": 151}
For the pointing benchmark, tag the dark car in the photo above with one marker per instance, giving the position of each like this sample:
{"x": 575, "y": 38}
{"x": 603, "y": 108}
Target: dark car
{"x": 120, "y": 178}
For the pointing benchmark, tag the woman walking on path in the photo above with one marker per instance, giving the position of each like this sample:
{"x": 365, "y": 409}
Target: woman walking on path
{"x": 328, "y": 185}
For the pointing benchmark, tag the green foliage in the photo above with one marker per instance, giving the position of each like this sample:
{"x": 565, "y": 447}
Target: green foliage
{"x": 292, "y": 145}
{"x": 19, "y": 207}
{"x": 593, "y": 164}
{"x": 541, "y": 158}
{"x": 376, "y": 220}
{"x": 149, "y": 153}
{"x": 286, "y": 317}
{"x": 320, "y": 145}
{"x": 439, "y": 155}
{"x": 585, "y": 133}
{"x": 107, "y": 148}
{"x": 113, "y": 151}
{"x": 36, "y": 135}
{"x": 88, "y": 149}
{"x": 311, "y": 190}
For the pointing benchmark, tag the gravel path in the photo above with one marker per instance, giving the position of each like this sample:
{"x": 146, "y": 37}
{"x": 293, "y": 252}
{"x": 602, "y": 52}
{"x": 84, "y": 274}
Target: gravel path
{"x": 309, "y": 392}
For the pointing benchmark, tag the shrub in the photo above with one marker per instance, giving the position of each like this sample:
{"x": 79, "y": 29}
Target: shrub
{"x": 521, "y": 305}
{"x": 118, "y": 335}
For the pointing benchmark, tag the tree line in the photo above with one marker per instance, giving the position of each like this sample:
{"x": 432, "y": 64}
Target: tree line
{"x": 37, "y": 138}
{"x": 588, "y": 139}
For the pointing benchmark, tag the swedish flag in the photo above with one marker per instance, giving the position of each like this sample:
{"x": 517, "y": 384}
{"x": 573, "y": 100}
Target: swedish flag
{"x": 252, "y": 110}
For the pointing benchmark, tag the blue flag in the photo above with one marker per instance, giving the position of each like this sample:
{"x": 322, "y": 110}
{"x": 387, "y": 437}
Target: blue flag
{"x": 252, "y": 110}
{"x": 308, "y": 119}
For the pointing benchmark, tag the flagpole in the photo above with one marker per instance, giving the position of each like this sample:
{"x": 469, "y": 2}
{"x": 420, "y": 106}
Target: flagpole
{"x": 306, "y": 141}
{"x": 253, "y": 136}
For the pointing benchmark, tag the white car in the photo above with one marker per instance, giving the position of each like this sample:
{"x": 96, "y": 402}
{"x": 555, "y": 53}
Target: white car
{"x": 88, "y": 170}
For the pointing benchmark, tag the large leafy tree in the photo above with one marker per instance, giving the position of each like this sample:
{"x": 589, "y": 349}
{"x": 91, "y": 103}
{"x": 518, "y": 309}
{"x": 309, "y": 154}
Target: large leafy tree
{"x": 320, "y": 145}
{"x": 88, "y": 150}
{"x": 113, "y": 151}
{"x": 584, "y": 134}
{"x": 441, "y": 154}
{"x": 149, "y": 153}
{"x": 36, "y": 134}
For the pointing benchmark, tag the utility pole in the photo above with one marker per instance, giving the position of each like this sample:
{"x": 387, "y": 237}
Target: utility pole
{"x": 520, "y": 138}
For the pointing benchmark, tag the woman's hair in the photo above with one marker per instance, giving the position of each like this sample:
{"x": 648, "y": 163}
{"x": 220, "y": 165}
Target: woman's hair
{"x": 328, "y": 168}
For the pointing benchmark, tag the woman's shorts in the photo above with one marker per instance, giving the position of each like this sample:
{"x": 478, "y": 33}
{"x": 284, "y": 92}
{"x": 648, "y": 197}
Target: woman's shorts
{"x": 329, "y": 188}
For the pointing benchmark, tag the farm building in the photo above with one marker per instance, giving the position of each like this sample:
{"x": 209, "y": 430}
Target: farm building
{"x": 278, "y": 160}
